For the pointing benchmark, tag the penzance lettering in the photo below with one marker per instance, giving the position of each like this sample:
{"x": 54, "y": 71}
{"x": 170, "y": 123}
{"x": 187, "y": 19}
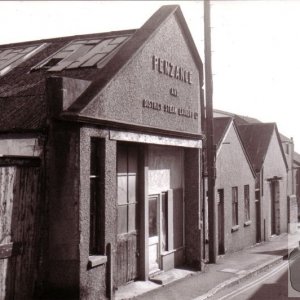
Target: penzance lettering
{"x": 165, "y": 67}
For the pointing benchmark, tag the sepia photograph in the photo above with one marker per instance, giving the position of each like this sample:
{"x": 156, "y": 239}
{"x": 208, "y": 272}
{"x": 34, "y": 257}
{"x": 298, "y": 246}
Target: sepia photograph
{"x": 150, "y": 150}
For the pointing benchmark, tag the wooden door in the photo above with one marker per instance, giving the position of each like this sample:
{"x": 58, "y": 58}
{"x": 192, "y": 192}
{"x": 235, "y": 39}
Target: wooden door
{"x": 19, "y": 231}
{"x": 127, "y": 238}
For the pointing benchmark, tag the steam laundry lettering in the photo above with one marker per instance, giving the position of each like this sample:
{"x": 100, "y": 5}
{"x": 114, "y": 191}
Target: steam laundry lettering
{"x": 151, "y": 104}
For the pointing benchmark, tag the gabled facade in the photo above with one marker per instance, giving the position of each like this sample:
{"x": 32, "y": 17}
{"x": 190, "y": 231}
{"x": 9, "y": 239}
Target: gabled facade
{"x": 112, "y": 128}
{"x": 263, "y": 145}
{"x": 235, "y": 189}
{"x": 287, "y": 145}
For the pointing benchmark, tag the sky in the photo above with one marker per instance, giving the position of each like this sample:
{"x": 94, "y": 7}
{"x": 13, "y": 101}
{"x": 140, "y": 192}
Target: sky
{"x": 255, "y": 45}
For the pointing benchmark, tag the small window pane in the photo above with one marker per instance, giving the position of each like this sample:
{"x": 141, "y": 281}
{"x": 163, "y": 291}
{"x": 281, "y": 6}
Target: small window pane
{"x": 122, "y": 219}
{"x": 131, "y": 218}
{"x": 132, "y": 188}
{"x": 153, "y": 217}
{"x": 122, "y": 160}
{"x": 122, "y": 189}
{"x": 132, "y": 160}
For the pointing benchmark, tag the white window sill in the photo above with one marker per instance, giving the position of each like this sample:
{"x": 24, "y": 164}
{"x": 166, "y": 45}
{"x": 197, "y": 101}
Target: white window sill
{"x": 235, "y": 228}
{"x": 247, "y": 223}
{"x": 97, "y": 260}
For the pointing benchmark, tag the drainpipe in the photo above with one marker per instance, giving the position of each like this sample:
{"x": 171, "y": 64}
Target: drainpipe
{"x": 292, "y": 169}
{"x": 211, "y": 173}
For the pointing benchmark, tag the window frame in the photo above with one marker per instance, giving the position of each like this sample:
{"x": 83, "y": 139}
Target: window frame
{"x": 247, "y": 215}
{"x": 97, "y": 203}
{"x": 235, "y": 206}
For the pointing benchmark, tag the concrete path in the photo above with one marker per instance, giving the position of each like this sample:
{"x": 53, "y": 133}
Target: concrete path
{"x": 229, "y": 270}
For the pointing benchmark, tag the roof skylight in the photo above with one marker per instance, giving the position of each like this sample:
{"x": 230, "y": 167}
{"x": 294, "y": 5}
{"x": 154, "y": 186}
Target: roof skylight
{"x": 82, "y": 53}
{"x": 12, "y": 57}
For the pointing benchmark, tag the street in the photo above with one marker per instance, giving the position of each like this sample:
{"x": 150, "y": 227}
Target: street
{"x": 271, "y": 284}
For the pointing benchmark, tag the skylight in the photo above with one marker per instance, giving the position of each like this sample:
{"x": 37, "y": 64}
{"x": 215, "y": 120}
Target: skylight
{"x": 12, "y": 57}
{"x": 83, "y": 53}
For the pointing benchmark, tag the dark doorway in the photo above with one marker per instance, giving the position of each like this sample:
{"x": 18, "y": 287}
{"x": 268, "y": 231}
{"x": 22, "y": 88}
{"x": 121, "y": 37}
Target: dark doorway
{"x": 257, "y": 216}
{"x": 221, "y": 247}
{"x": 274, "y": 185}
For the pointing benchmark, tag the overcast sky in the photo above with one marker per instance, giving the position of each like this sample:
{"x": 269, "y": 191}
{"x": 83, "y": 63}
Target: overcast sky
{"x": 256, "y": 45}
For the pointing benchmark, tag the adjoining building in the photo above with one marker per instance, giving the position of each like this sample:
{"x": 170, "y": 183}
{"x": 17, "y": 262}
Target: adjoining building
{"x": 235, "y": 189}
{"x": 287, "y": 148}
{"x": 263, "y": 145}
{"x": 296, "y": 168}
{"x": 100, "y": 159}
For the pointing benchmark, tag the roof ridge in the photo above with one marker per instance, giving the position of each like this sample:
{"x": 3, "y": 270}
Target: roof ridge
{"x": 68, "y": 37}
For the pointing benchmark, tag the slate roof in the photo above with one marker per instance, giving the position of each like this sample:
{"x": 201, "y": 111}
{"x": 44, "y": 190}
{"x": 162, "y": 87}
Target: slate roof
{"x": 297, "y": 158}
{"x": 244, "y": 120}
{"x": 22, "y": 90}
{"x": 220, "y": 127}
{"x": 238, "y": 119}
{"x": 256, "y": 138}
{"x": 130, "y": 48}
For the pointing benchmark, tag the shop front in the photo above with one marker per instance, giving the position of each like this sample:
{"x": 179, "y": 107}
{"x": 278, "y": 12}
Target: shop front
{"x": 125, "y": 155}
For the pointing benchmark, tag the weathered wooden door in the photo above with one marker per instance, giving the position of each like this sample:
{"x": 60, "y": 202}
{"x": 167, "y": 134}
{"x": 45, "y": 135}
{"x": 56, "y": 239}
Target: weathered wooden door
{"x": 19, "y": 230}
{"x": 127, "y": 239}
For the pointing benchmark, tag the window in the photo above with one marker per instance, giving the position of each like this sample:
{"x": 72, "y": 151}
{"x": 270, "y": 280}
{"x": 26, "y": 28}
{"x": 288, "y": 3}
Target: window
{"x": 97, "y": 197}
{"x": 83, "y": 53}
{"x": 247, "y": 202}
{"x": 127, "y": 194}
{"x": 165, "y": 235}
{"x": 287, "y": 148}
{"x": 235, "y": 220}
{"x": 12, "y": 57}
{"x": 172, "y": 219}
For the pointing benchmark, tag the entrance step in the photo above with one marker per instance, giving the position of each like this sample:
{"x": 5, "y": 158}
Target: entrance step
{"x": 171, "y": 276}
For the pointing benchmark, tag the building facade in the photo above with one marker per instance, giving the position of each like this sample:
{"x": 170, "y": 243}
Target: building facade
{"x": 235, "y": 189}
{"x": 113, "y": 159}
{"x": 263, "y": 145}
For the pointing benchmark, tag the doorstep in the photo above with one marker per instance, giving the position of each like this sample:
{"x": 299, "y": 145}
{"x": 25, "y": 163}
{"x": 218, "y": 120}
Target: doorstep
{"x": 138, "y": 288}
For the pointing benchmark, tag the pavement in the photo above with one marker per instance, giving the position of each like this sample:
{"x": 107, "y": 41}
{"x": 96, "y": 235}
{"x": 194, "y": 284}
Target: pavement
{"x": 230, "y": 269}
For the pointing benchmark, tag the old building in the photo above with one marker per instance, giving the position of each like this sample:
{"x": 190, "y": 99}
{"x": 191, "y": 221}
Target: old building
{"x": 100, "y": 162}
{"x": 263, "y": 145}
{"x": 287, "y": 145}
{"x": 235, "y": 189}
{"x": 296, "y": 168}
